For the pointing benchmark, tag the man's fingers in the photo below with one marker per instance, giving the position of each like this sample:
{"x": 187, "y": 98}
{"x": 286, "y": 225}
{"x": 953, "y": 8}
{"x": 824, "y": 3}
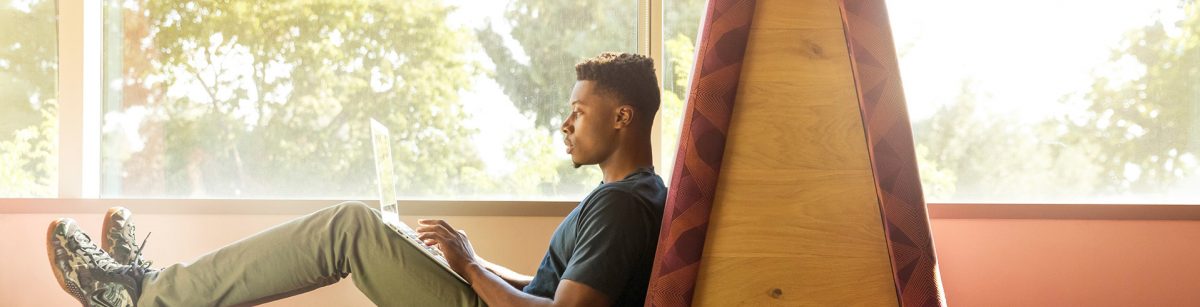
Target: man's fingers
{"x": 425, "y": 228}
{"x": 431, "y": 238}
{"x": 447, "y": 225}
{"x": 434, "y": 227}
{"x": 442, "y": 223}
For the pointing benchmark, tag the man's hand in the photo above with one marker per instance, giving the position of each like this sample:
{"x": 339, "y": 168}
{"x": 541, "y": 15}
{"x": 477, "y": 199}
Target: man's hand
{"x": 453, "y": 244}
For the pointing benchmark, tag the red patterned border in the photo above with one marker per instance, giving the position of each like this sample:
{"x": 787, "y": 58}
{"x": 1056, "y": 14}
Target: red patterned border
{"x": 721, "y": 49}
{"x": 893, "y": 160}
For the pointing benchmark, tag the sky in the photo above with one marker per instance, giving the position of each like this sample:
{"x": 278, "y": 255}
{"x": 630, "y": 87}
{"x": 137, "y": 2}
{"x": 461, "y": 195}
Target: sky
{"x": 1023, "y": 56}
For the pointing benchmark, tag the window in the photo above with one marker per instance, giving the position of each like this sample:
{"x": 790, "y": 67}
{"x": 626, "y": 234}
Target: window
{"x": 1065, "y": 101}
{"x": 271, "y": 99}
{"x": 681, "y": 23}
{"x": 28, "y": 99}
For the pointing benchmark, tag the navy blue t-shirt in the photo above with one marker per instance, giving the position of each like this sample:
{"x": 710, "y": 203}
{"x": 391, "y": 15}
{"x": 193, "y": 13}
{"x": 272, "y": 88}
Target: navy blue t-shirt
{"x": 608, "y": 241}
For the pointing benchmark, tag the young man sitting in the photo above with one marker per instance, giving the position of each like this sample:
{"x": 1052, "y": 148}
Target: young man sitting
{"x": 600, "y": 255}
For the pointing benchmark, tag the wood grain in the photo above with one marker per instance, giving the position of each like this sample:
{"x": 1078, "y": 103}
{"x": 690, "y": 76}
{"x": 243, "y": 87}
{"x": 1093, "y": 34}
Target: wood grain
{"x": 796, "y": 208}
{"x": 801, "y": 14}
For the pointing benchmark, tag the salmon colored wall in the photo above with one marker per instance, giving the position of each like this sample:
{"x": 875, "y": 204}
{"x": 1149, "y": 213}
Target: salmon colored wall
{"x": 1046, "y": 262}
{"x": 26, "y": 280}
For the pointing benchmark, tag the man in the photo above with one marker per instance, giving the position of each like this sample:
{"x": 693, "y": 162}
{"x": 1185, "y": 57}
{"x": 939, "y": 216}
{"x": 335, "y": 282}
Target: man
{"x": 600, "y": 255}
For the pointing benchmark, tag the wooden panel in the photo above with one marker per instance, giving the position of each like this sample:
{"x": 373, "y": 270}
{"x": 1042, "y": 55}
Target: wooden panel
{"x": 798, "y": 136}
{"x": 796, "y": 207}
{"x": 827, "y": 216}
{"x": 801, "y": 14}
{"x": 815, "y": 58}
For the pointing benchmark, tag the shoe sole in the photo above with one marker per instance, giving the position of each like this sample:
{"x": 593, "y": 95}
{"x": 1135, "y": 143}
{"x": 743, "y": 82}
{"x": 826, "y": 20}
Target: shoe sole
{"x": 108, "y": 224}
{"x": 62, "y": 282}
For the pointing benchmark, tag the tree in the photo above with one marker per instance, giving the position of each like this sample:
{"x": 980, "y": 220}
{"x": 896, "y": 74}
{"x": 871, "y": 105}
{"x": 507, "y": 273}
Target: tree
{"x": 28, "y": 99}
{"x": 681, "y": 22}
{"x": 968, "y": 155}
{"x": 540, "y": 84}
{"x": 538, "y": 73}
{"x": 1145, "y": 129}
{"x": 286, "y": 89}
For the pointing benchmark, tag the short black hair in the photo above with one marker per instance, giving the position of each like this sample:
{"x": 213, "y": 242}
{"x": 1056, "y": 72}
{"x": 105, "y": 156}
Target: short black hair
{"x": 629, "y": 76}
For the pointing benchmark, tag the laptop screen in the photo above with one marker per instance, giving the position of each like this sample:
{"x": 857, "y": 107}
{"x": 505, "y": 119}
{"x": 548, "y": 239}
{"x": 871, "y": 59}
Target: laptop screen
{"x": 382, "y": 144}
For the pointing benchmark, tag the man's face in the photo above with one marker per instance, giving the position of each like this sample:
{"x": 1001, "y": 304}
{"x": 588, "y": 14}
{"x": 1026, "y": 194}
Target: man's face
{"x": 590, "y": 130}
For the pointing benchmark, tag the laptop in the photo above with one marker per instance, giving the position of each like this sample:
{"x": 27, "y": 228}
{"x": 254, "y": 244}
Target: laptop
{"x": 381, "y": 142}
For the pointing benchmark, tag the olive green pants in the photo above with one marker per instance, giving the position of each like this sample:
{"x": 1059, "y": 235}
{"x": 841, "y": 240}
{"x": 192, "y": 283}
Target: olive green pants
{"x": 310, "y": 252}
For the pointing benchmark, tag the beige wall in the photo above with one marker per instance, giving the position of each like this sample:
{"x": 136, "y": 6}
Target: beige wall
{"x": 26, "y": 280}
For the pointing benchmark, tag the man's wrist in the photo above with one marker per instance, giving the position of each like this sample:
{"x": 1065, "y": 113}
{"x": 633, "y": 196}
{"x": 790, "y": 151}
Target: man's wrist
{"x": 472, "y": 269}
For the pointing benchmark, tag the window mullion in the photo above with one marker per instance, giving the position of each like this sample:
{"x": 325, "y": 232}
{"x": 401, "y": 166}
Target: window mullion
{"x": 78, "y": 120}
{"x": 649, "y": 29}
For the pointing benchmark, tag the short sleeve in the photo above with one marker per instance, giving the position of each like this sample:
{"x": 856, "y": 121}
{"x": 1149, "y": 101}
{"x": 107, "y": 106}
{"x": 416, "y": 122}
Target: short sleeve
{"x": 612, "y": 242}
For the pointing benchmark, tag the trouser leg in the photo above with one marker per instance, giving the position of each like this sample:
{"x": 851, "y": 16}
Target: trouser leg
{"x": 308, "y": 253}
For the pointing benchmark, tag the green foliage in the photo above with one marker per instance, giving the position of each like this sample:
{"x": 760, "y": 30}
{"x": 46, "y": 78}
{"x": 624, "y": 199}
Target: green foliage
{"x": 28, "y": 87}
{"x": 1136, "y": 134}
{"x": 288, "y": 88}
{"x": 680, "y": 55}
{"x": 555, "y": 35}
{"x": 1145, "y": 129}
{"x": 538, "y": 77}
{"x": 967, "y": 155}
{"x": 28, "y": 164}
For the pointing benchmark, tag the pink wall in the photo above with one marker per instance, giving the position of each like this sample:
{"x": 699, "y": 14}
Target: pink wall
{"x": 1044, "y": 262}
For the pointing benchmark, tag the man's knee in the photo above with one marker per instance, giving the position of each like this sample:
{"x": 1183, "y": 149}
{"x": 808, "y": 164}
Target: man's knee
{"x": 353, "y": 210}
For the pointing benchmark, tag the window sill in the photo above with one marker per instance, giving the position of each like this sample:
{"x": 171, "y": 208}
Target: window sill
{"x": 1064, "y": 211}
{"x": 283, "y": 207}
{"x": 561, "y": 208}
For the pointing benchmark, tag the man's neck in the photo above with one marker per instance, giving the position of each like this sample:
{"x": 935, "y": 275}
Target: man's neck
{"x": 626, "y": 160}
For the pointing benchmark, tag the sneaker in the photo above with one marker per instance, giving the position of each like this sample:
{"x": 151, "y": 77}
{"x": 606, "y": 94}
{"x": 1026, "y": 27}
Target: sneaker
{"x": 87, "y": 272}
{"x": 118, "y": 237}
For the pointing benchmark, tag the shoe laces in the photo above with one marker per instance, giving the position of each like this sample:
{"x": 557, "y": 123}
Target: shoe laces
{"x": 138, "y": 261}
{"x": 93, "y": 253}
{"x": 105, "y": 262}
{"x": 128, "y": 236}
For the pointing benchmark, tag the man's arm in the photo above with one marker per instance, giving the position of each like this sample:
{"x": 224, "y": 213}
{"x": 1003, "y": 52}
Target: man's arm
{"x": 496, "y": 293}
{"x": 494, "y": 290}
{"x": 514, "y": 279}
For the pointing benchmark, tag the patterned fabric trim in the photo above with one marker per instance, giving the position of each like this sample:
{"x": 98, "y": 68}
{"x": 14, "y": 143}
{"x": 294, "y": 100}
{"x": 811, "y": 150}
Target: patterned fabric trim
{"x": 890, "y": 145}
{"x": 721, "y": 48}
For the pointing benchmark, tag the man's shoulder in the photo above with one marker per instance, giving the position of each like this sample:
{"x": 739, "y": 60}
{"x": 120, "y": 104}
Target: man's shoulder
{"x": 610, "y": 195}
{"x": 620, "y": 200}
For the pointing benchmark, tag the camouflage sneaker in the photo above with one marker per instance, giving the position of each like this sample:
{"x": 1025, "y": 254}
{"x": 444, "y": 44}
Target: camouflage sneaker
{"x": 87, "y": 272}
{"x": 118, "y": 237}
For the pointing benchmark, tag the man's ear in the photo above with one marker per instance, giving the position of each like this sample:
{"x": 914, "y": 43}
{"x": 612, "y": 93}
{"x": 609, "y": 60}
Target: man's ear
{"x": 624, "y": 116}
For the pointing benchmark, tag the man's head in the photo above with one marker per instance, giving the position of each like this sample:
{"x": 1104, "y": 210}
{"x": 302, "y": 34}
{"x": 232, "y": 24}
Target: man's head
{"x": 612, "y": 106}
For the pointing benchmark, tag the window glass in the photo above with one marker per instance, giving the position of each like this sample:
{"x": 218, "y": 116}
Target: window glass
{"x": 271, "y": 99}
{"x": 28, "y": 98}
{"x": 1053, "y": 102}
{"x": 681, "y": 22}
